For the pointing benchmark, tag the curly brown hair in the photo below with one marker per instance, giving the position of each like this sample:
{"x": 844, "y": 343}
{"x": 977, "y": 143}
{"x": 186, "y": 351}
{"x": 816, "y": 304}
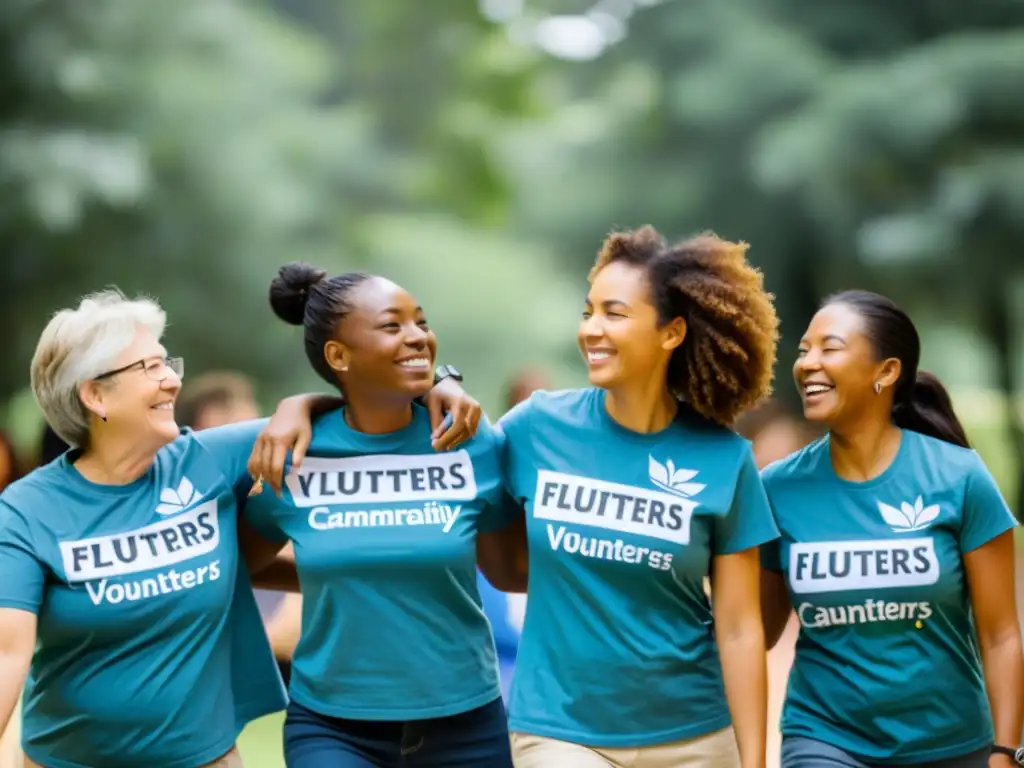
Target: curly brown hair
{"x": 726, "y": 362}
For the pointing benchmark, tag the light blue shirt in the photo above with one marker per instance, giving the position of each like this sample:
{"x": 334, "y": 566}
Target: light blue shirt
{"x": 887, "y": 665}
{"x": 151, "y": 653}
{"x": 384, "y": 530}
{"x": 618, "y": 647}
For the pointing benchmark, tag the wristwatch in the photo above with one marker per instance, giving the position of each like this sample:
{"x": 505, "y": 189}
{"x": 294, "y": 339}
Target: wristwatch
{"x": 1016, "y": 754}
{"x": 443, "y": 372}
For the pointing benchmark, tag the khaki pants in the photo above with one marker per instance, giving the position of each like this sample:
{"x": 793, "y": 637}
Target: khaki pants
{"x": 230, "y": 760}
{"x": 715, "y": 750}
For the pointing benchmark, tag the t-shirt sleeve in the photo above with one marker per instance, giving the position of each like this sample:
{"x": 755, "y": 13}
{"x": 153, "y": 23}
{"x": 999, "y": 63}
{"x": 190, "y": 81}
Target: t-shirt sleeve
{"x": 22, "y": 574}
{"x": 749, "y": 522}
{"x": 230, "y": 446}
{"x": 771, "y": 551}
{"x": 501, "y": 509}
{"x": 513, "y": 429}
{"x": 986, "y": 514}
{"x": 259, "y": 510}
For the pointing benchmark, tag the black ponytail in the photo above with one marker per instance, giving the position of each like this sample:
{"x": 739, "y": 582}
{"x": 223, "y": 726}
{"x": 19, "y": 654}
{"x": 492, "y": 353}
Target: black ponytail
{"x": 304, "y": 295}
{"x": 928, "y": 409}
{"x": 920, "y": 401}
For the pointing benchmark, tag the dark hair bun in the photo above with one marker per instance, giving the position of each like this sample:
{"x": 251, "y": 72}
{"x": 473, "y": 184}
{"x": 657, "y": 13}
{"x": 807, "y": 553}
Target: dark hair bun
{"x": 289, "y": 291}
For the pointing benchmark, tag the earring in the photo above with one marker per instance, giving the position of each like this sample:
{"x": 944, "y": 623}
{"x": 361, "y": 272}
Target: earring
{"x": 878, "y": 388}
{"x": 103, "y": 417}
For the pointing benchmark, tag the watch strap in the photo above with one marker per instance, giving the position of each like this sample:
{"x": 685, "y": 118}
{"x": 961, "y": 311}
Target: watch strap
{"x": 1016, "y": 753}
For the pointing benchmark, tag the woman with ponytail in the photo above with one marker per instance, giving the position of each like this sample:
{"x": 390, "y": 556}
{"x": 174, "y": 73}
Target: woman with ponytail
{"x": 897, "y": 555}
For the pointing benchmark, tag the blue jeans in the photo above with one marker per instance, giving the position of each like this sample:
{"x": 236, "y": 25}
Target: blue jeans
{"x": 475, "y": 739}
{"x": 800, "y": 752}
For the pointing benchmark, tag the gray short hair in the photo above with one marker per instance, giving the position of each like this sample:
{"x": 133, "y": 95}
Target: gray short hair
{"x": 80, "y": 344}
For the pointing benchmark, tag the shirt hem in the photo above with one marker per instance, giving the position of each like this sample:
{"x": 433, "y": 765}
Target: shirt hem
{"x": 426, "y": 713}
{"x": 21, "y": 605}
{"x": 902, "y": 759}
{"x": 757, "y": 542}
{"x": 247, "y": 715}
{"x": 985, "y": 539}
{"x": 197, "y": 760}
{"x": 613, "y": 741}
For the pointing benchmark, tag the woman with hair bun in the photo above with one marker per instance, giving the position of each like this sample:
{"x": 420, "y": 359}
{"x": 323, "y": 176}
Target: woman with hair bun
{"x": 396, "y": 661}
{"x": 897, "y": 554}
{"x": 636, "y": 489}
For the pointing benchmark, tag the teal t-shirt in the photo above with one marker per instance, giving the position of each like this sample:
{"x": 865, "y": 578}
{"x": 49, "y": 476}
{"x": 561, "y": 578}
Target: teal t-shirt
{"x": 618, "y": 646}
{"x": 151, "y": 652}
{"x": 384, "y": 531}
{"x": 887, "y": 665}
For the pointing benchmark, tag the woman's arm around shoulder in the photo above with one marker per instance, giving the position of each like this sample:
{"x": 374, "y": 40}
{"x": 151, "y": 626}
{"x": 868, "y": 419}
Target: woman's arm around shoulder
{"x": 264, "y": 545}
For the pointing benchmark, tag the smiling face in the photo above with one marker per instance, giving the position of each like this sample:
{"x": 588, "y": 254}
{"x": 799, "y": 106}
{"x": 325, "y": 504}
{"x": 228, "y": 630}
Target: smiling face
{"x": 384, "y": 346}
{"x": 837, "y": 368}
{"x": 139, "y": 401}
{"x": 619, "y": 333}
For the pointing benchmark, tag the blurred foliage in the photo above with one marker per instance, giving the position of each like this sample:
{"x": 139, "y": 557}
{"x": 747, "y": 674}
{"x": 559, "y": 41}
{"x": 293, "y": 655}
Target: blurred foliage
{"x": 188, "y": 149}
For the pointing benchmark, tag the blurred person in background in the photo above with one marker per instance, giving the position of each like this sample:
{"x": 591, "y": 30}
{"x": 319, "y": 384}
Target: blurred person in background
{"x": 776, "y": 432}
{"x": 396, "y": 662}
{"x": 215, "y": 399}
{"x": 506, "y": 610}
{"x": 9, "y": 464}
{"x": 623, "y": 660}
{"x": 913, "y": 655}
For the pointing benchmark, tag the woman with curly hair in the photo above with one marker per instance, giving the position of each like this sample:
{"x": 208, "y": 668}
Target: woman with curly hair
{"x": 636, "y": 489}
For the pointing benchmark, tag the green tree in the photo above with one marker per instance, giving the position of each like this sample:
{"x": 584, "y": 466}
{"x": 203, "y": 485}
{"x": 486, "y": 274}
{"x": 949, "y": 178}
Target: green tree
{"x": 171, "y": 148}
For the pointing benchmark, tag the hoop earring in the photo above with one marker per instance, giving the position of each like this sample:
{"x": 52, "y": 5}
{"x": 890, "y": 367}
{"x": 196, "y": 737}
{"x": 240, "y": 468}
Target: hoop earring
{"x": 878, "y": 388}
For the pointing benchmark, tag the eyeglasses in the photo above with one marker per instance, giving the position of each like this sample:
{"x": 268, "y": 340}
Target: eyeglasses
{"x": 155, "y": 368}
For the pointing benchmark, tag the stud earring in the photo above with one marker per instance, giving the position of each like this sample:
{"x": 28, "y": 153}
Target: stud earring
{"x": 878, "y": 388}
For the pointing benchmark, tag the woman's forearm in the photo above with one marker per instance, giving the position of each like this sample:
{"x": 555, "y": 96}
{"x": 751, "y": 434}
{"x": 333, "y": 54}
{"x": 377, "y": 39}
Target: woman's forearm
{"x": 13, "y": 670}
{"x": 745, "y": 673}
{"x": 1004, "y": 680}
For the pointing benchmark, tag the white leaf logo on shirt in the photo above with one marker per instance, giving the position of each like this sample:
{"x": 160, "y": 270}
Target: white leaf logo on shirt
{"x": 673, "y": 480}
{"x": 909, "y": 517}
{"x": 175, "y": 500}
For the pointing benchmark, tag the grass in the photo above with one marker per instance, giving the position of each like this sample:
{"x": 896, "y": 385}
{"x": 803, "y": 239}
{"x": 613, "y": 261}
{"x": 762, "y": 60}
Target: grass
{"x": 261, "y": 742}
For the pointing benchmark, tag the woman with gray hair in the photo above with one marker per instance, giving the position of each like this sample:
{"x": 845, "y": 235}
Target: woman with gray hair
{"x": 121, "y": 592}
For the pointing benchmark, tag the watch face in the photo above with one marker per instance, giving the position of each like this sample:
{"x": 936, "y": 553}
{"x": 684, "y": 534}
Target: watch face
{"x": 448, "y": 371}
